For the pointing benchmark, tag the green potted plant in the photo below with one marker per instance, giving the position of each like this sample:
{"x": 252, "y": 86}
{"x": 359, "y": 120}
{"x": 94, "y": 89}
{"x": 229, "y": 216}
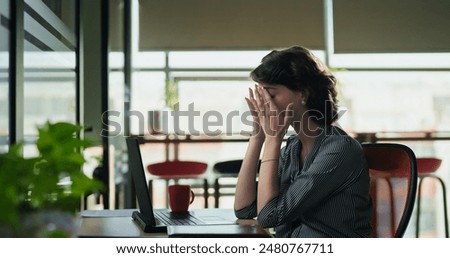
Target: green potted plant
{"x": 39, "y": 195}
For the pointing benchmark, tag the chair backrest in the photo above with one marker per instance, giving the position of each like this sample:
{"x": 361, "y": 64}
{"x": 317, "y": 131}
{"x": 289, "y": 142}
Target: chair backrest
{"x": 177, "y": 168}
{"x": 228, "y": 167}
{"x": 393, "y": 172}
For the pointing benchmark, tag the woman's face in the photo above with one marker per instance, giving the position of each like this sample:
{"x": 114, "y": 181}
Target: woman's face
{"x": 283, "y": 96}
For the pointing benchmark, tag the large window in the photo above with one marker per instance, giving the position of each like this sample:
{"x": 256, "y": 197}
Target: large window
{"x": 212, "y": 117}
{"x": 401, "y": 95}
{"x": 50, "y": 85}
{"x": 389, "y": 101}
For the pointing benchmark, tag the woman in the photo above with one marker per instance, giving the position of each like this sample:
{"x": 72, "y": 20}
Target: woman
{"x": 318, "y": 184}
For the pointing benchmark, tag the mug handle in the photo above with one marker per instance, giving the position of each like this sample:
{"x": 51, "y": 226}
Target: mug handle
{"x": 192, "y": 197}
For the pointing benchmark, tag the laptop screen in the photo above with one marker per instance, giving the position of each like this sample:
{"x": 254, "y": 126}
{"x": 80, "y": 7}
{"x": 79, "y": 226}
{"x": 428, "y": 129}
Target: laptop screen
{"x": 138, "y": 174}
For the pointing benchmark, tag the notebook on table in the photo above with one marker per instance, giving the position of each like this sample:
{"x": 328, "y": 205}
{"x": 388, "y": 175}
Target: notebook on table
{"x": 156, "y": 221}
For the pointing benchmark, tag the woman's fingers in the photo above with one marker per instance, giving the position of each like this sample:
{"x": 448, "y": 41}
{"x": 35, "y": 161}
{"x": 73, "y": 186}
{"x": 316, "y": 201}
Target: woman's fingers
{"x": 270, "y": 109}
{"x": 253, "y": 104}
{"x": 250, "y": 93}
{"x": 265, "y": 94}
{"x": 252, "y": 107}
{"x": 272, "y": 120}
{"x": 259, "y": 102}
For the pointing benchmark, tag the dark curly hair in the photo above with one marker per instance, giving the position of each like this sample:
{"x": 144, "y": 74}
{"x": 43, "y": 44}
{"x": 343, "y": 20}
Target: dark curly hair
{"x": 299, "y": 70}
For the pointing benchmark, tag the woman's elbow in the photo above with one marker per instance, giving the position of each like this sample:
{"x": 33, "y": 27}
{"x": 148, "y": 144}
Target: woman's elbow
{"x": 244, "y": 214}
{"x": 265, "y": 222}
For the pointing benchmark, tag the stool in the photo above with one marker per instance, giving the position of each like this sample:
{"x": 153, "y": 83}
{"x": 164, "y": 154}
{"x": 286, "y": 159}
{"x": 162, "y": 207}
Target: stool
{"x": 175, "y": 170}
{"x": 426, "y": 167}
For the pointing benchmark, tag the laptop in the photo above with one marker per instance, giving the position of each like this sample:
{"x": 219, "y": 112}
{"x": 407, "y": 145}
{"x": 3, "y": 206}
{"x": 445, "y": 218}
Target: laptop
{"x": 156, "y": 221}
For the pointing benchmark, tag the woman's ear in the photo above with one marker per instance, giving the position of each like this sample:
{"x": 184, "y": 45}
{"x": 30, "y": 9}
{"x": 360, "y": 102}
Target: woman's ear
{"x": 305, "y": 95}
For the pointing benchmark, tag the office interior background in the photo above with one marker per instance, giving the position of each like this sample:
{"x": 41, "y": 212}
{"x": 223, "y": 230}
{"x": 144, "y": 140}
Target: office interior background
{"x": 74, "y": 60}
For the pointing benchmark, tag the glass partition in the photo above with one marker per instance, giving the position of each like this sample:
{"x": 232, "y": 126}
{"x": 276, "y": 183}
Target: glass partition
{"x": 49, "y": 65}
{"x": 4, "y": 74}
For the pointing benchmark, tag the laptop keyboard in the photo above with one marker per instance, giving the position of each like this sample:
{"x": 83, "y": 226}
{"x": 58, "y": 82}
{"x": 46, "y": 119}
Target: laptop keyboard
{"x": 169, "y": 218}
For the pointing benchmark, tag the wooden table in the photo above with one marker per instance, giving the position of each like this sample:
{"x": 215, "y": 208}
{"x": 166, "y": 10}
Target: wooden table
{"x": 118, "y": 223}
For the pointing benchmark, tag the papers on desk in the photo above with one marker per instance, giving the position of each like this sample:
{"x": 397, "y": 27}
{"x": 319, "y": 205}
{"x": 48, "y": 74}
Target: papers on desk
{"x": 107, "y": 213}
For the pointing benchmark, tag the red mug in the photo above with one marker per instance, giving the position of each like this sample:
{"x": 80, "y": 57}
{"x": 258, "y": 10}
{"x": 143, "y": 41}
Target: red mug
{"x": 180, "y": 197}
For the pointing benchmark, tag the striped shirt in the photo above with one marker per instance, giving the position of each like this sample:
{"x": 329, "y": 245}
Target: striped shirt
{"x": 327, "y": 197}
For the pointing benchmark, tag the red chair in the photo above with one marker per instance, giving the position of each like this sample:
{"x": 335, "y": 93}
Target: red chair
{"x": 393, "y": 179}
{"x": 176, "y": 170}
{"x": 426, "y": 168}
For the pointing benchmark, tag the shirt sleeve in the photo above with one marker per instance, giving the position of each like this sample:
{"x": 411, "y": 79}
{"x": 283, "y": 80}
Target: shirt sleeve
{"x": 337, "y": 164}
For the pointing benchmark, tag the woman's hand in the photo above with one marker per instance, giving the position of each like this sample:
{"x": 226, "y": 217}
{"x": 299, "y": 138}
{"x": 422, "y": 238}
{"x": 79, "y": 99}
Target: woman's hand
{"x": 257, "y": 133}
{"x": 273, "y": 121}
